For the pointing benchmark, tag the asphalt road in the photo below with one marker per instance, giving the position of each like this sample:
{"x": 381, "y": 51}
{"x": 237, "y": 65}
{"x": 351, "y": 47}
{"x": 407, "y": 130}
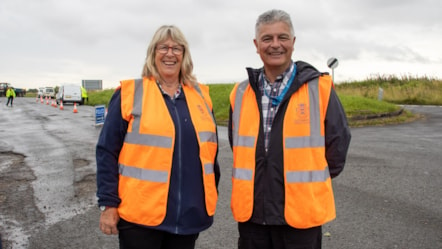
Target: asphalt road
{"x": 389, "y": 195}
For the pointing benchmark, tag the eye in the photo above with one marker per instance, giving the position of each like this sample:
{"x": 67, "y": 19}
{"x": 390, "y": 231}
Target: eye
{"x": 266, "y": 39}
{"x": 284, "y": 38}
{"x": 177, "y": 49}
{"x": 162, "y": 48}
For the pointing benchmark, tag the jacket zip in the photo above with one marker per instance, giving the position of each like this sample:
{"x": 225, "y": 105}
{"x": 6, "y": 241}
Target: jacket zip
{"x": 179, "y": 163}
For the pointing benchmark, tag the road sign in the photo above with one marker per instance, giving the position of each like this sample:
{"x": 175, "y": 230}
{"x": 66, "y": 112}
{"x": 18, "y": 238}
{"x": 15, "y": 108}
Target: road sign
{"x": 332, "y": 63}
{"x": 100, "y": 111}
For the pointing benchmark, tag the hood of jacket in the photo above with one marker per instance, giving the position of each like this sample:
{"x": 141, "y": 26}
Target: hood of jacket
{"x": 304, "y": 73}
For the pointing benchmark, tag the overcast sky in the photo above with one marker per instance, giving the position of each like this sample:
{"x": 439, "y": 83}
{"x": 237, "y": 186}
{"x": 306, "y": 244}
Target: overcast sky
{"x": 51, "y": 42}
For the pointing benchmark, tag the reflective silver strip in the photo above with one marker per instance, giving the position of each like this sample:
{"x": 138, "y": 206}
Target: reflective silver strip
{"x": 198, "y": 89}
{"x": 144, "y": 174}
{"x": 307, "y": 176}
{"x": 135, "y": 137}
{"x": 148, "y": 140}
{"x": 242, "y": 174}
{"x": 207, "y": 136}
{"x": 245, "y": 141}
{"x": 137, "y": 105}
{"x": 315, "y": 139}
{"x": 208, "y": 168}
{"x": 304, "y": 142}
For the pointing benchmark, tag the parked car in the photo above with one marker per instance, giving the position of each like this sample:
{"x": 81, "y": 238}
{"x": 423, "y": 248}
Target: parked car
{"x": 3, "y": 87}
{"x": 69, "y": 94}
{"x": 19, "y": 92}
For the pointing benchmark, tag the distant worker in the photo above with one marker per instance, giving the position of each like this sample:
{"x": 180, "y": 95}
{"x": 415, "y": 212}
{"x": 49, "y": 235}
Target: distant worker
{"x": 10, "y": 94}
{"x": 84, "y": 95}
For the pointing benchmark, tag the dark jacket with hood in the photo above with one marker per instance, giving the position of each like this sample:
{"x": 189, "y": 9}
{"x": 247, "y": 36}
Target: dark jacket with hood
{"x": 268, "y": 206}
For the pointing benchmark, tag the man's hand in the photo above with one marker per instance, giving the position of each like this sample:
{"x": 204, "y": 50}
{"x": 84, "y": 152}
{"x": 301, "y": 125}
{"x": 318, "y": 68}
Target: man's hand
{"x": 108, "y": 221}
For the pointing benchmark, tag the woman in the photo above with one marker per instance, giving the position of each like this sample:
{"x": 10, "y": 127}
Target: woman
{"x": 157, "y": 172}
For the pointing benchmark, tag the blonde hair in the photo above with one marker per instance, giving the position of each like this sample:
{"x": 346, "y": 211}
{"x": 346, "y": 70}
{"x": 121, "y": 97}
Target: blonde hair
{"x": 163, "y": 33}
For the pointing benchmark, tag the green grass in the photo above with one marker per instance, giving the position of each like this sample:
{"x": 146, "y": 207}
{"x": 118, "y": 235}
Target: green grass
{"x": 405, "y": 90}
{"x": 355, "y": 105}
{"x": 359, "y": 99}
{"x": 100, "y": 97}
{"x": 220, "y": 93}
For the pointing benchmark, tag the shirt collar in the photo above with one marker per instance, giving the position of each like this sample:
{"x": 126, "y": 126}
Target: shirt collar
{"x": 177, "y": 93}
{"x": 281, "y": 79}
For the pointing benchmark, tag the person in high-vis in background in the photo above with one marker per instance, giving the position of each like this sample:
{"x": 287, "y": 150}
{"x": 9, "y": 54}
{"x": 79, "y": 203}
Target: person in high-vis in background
{"x": 10, "y": 94}
{"x": 157, "y": 169}
{"x": 289, "y": 136}
{"x": 84, "y": 95}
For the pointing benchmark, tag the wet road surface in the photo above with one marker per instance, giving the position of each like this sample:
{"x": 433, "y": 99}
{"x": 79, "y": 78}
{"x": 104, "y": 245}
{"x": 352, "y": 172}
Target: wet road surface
{"x": 387, "y": 197}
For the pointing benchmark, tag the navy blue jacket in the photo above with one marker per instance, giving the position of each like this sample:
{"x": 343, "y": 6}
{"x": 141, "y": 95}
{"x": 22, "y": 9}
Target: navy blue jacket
{"x": 186, "y": 210}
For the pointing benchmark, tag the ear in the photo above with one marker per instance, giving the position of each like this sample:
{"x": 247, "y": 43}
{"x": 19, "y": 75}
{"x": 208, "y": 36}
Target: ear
{"x": 256, "y": 45}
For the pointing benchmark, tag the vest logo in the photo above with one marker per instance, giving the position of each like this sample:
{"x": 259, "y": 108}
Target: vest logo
{"x": 302, "y": 114}
{"x": 203, "y": 113}
{"x": 201, "y": 110}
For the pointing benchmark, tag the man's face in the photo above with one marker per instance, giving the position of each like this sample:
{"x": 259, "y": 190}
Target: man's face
{"x": 274, "y": 43}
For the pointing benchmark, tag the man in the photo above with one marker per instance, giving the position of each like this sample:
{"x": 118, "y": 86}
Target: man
{"x": 84, "y": 95}
{"x": 289, "y": 136}
{"x": 10, "y": 94}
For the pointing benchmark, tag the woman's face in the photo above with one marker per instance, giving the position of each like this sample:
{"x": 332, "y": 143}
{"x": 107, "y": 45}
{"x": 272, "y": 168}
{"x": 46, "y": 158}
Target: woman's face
{"x": 168, "y": 58}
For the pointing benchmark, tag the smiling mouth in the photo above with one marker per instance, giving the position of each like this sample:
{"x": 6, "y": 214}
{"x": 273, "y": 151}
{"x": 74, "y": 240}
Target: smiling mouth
{"x": 276, "y": 53}
{"x": 169, "y": 63}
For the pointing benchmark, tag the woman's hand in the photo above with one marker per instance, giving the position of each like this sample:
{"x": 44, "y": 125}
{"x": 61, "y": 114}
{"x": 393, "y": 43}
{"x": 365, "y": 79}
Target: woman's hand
{"x": 108, "y": 221}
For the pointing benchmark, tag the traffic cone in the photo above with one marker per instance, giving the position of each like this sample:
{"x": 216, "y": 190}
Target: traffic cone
{"x": 75, "y": 108}
{"x": 54, "y": 104}
{"x": 41, "y": 99}
{"x": 47, "y": 100}
{"x": 61, "y": 105}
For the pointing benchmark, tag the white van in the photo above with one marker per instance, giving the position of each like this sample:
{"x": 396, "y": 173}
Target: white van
{"x": 41, "y": 92}
{"x": 69, "y": 94}
{"x": 46, "y": 92}
{"x": 49, "y": 92}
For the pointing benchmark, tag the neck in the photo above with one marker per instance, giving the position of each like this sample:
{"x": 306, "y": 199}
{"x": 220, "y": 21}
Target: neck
{"x": 273, "y": 72}
{"x": 169, "y": 85}
{"x": 169, "y": 82}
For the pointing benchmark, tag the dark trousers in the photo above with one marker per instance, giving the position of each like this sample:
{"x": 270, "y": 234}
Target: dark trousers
{"x": 10, "y": 99}
{"x": 255, "y": 236}
{"x": 132, "y": 236}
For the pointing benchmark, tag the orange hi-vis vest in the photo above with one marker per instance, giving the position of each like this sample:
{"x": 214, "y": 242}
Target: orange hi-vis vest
{"x": 145, "y": 160}
{"x": 309, "y": 200}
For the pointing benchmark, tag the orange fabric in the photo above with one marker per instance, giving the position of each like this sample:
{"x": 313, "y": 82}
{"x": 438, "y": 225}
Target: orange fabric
{"x": 145, "y": 202}
{"x": 307, "y": 204}
{"x": 243, "y": 157}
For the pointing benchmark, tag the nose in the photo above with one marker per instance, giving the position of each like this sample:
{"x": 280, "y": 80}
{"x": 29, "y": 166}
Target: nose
{"x": 275, "y": 42}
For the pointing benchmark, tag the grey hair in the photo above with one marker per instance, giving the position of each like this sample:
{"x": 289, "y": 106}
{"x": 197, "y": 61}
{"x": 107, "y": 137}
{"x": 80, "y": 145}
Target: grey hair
{"x": 272, "y": 16}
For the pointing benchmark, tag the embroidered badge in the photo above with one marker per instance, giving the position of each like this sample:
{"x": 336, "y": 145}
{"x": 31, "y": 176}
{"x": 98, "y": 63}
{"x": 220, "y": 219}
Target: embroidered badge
{"x": 302, "y": 114}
